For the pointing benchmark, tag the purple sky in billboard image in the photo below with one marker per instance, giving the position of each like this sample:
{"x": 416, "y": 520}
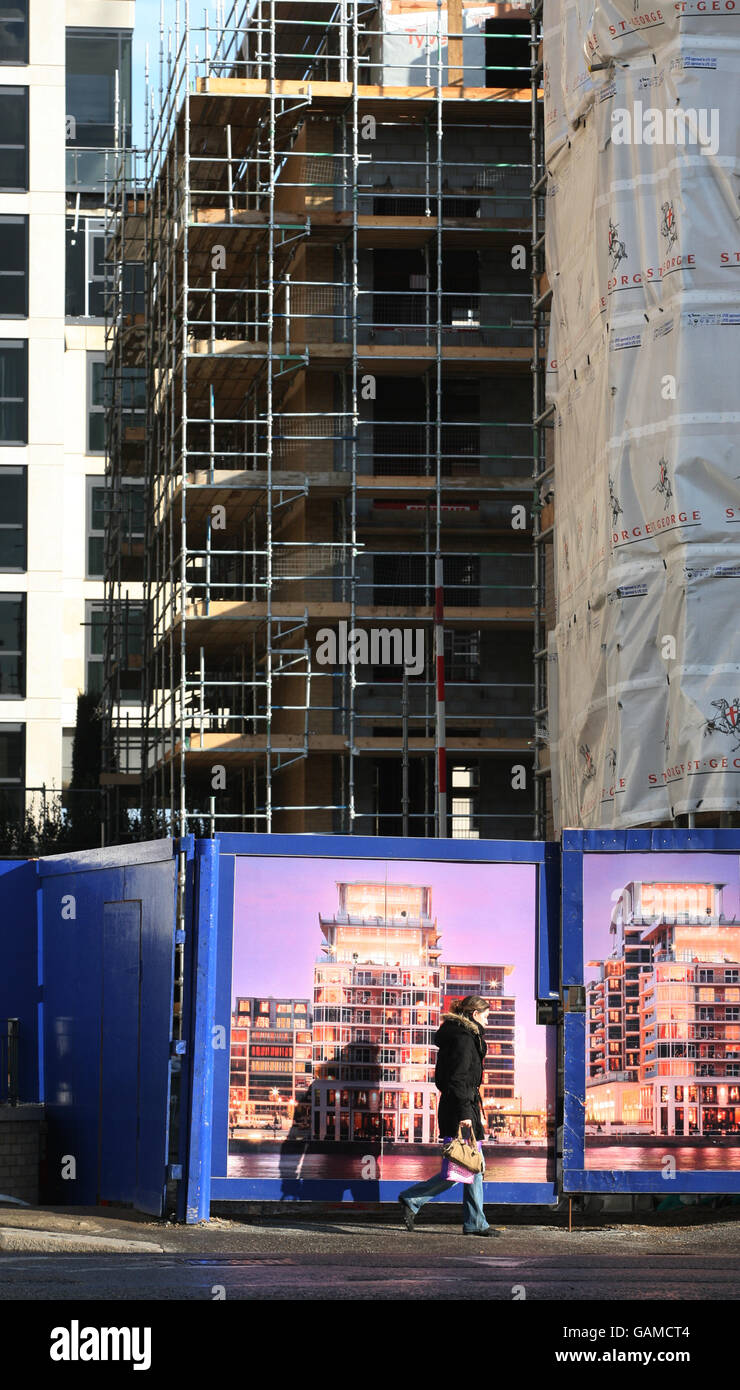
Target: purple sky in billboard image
{"x": 485, "y": 913}
{"x": 607, "y": 874}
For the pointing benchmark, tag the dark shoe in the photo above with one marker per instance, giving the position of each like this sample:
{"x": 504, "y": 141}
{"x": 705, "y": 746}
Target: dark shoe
{"x": 407, "y": 1216}
{"x": 489, "y": 1231}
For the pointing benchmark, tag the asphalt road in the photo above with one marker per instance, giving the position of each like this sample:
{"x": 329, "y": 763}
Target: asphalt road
{"x": 475, "y": 1271}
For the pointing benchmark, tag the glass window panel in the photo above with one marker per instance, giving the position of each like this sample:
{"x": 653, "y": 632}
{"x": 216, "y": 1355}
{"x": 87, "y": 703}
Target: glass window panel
{"x": 14, "y": 266}
{"x": 92, "y": 62}
{"x": 98, "y": 508}
{"x": 14, "y": 116}
{"x": 130, "y": 685}
{"x": 12, "y": 368}
{"x": 12, "y": 645}
{"x": 134, "y": 631}
{"x": 134, "y": 284}
{"x": 94, "y": 677}
{"x": 135, "y": 508}
{"x": 12, "y": 549}
{"x": 85, "y": 269}
{"x": 96, "y": 438}
{"x": 12, "y": 423}
{"x": 11, "y": 622}
{"x": 12, "y": 295}
{"x": 13, "y": 245}
{"x": 13, "y": 496}
{"x": 125, "y": 75}
{"x": 96, "y": 299}
{"x": 97, "y": 632}
{"x": 95, "y": 556}
{"x": 14, "y": 32}
{"x": 98, "y": 395}
{"x": 97, "y": 374}
{"x": 13, "y": 391}
{"x": 14, "y": 138}
{"x": 97, "y": 512}
{"x": 13, "y": 523}
{"x": 98, "y": 253}
{"x": 12, "y": 169}
{"x": 133, "y": 388}
{"x": 12, "y": 753}
{"x": 74, "y": 288}
{"x": 11, "y": 674}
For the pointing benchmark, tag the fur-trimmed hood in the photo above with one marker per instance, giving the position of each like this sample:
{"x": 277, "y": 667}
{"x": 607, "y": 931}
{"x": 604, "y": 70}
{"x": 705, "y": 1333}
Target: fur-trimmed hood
{"x": 463, "y": 1021}
{"x": 452, "y": 1025}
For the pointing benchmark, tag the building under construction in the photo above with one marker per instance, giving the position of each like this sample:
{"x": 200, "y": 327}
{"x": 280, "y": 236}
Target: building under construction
{"x": 323, "y": 292}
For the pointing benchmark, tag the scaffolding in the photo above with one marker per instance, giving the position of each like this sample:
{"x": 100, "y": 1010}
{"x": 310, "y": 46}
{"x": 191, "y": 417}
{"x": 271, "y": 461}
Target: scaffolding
{"x": 336, "y": 340}
{"x": 542, "y": 421}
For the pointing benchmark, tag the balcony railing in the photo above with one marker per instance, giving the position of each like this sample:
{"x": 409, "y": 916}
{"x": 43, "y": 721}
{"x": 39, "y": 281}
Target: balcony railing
{"x": 92, "y": 169}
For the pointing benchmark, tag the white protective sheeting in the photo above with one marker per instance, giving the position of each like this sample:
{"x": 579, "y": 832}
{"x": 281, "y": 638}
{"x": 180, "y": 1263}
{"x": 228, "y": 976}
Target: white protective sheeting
{"x": 643, "y": 255}
{"x": 415, "y": 43}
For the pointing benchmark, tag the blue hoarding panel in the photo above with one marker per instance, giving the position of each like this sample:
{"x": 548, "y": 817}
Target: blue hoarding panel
{"x": 573, "y": 1111}
{"x": 651, "y": 935}
{"x": 222, "y": 1012}
{"x": 120, "y": 1043}
{"x": 206, "y": 1040}
{"x": 73, "y": 916}
{"x": 316, "y": 1190}
{"x": 548, "y": 926}
{"x": 152, "y": 886}
{"x": 20, "y": 979}
{"x": 384, "y": 847}
{"x": 108, "y": 932}
{"x": 572, "y": 913}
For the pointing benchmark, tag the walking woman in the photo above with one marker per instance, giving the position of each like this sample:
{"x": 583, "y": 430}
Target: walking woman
{"x": 457, "y": 1076}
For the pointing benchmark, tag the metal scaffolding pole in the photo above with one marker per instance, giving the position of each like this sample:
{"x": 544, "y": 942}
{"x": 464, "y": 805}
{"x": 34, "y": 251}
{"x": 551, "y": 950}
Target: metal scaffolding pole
{"x": 541, "y": 472}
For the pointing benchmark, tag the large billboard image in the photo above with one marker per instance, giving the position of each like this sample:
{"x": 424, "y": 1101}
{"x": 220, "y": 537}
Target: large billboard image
{"x": 661, "y": 939}
{"x": 342, "y": 972}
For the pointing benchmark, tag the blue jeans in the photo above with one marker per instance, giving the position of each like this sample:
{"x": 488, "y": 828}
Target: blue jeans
{"x": 474, "y": 1219}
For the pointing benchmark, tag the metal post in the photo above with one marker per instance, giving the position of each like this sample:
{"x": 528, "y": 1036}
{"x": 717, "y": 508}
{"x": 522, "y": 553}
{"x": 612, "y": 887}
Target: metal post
{"x": 183, "y": 818}
{"x": 538, "y": 434}
{"x": 355, "y": 395}
{"x": 405, "y": 765}
{"x": 441, "y": 737}
{"x": 269, "y": 422}
{"x": 229, "y": 174}
{"x": 438, "y": 567}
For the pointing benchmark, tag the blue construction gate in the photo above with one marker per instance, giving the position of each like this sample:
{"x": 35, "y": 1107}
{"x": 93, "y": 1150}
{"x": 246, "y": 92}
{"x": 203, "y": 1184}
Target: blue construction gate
{"x": 93, "y": 939}
{"x": 136, "y": 974}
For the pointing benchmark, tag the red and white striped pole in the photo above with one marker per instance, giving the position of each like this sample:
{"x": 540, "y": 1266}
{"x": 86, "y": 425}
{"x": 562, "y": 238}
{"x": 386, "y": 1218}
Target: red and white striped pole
{"x": 441, "y": 739}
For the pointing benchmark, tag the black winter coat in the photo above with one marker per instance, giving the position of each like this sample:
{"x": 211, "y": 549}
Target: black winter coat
{"x": 458, "y": 1073}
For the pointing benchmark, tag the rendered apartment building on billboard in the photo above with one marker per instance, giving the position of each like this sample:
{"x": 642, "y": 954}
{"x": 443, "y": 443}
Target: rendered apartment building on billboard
{"x": 270, "y": 1068}
{"x": 497, "y": 1087}
{"x": 380, "y": 988}
{"x": 663, "y": 1054}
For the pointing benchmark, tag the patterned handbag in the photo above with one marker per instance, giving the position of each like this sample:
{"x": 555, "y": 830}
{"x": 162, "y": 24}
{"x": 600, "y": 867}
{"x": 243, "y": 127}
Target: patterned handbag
{"x": 463, "y": 1154}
